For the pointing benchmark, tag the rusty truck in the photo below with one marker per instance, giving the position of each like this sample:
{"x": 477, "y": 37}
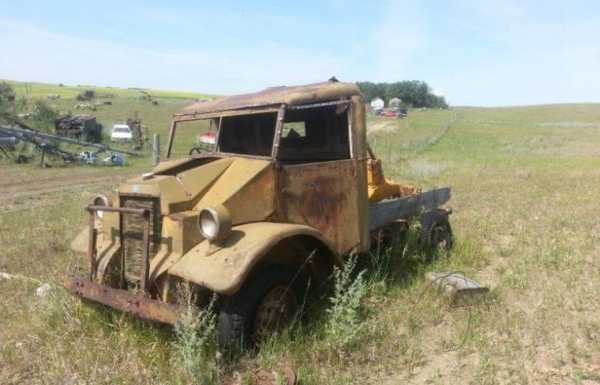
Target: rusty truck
{"x": 290, "y": 189}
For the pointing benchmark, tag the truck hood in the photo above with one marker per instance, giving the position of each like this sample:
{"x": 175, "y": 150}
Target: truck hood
{"x": 244, "y": 186}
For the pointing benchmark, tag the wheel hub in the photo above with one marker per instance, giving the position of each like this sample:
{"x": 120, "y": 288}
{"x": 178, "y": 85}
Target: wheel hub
{"x": 275, "y": 311}
{"x": 439, "y": 238}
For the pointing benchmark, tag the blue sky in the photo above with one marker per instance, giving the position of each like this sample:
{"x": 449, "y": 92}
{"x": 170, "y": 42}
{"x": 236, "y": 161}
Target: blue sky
{"x": 473, "y": 52}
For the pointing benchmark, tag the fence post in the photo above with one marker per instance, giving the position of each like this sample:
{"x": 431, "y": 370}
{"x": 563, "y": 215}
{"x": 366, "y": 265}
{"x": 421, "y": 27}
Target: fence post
{"x": 43, "y": 156}
{"x": 156, "y": 148}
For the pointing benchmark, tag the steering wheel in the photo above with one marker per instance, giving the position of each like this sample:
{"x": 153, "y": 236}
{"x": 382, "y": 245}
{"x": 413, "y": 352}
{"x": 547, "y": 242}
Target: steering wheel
{"x": 197, "y": 150}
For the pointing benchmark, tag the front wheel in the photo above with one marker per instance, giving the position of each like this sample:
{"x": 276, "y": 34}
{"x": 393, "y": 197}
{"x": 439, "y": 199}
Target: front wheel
{"x": 268, "y": 301}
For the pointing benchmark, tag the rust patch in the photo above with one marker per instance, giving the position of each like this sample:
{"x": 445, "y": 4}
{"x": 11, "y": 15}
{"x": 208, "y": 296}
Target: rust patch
{"x": 324, "y": 196}
{"x": 321, "y": 201}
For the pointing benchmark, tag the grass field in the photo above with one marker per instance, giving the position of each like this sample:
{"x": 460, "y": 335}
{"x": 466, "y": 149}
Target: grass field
{"x": 525, "y": 198}
{"x": 125, "y": 103}
{"x": 42, "y": 90}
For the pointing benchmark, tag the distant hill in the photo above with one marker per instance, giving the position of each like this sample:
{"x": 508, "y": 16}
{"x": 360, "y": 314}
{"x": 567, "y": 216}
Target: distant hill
{"x": 42, "y": 90}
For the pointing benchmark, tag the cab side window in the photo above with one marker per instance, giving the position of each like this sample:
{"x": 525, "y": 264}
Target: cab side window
{"x": 315, "y": 135}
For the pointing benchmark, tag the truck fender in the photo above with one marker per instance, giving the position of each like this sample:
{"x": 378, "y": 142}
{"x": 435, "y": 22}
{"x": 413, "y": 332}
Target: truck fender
{"x": 223, "y": 269}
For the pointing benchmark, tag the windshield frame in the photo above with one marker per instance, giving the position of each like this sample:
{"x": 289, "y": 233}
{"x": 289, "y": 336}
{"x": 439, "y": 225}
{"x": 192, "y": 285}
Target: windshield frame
{"x": 278, "y": 109}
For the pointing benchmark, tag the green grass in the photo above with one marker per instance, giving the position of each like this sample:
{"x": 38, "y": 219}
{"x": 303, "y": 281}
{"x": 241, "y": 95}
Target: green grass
{"x": 525, "y": 198}
{"x": 42, "y": 90}
{"x": 126, "y": 103}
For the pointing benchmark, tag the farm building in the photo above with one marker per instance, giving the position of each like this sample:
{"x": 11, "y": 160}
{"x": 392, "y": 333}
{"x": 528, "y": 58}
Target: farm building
{"x": 395, "y": 103}
{"x": 377, "y": 104}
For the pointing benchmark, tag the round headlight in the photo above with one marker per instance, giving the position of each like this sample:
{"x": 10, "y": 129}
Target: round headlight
{"x": 214, "y": 223}
{"x": 100, "y": 200}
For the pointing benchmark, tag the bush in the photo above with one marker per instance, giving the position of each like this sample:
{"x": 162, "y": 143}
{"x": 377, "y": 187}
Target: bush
{"x": 195, "y": 342}
{"x": 7, "y": 101}
{"x": 43, "y": 116}
{"x": 86, "y": 95}
{"x": 344, "y": 323}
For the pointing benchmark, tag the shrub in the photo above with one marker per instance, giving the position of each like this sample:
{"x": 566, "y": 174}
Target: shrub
{"x": 43, "y": 116}
{"x": 195, "y": 342}
{"x": 344, "y": 323}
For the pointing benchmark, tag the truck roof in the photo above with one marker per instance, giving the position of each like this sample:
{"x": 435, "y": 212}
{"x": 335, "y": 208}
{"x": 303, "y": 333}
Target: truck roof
{"x": 290, "y": 95}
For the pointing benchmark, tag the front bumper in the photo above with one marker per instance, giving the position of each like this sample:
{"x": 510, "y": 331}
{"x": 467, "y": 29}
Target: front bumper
{"x": 136, "y": 304}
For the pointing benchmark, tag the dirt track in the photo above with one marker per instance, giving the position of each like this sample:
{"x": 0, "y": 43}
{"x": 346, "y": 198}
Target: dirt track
{"x": 33, "y": 188}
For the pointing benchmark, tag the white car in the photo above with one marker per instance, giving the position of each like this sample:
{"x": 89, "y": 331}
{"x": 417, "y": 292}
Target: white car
{"x": 121, "y": 132}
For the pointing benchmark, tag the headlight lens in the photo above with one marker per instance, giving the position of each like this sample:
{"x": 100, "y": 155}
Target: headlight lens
{"x": 214, "y": 223}
{"x": 100, "y": 200}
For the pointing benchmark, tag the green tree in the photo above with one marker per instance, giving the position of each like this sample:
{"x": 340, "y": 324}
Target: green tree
{"x": 415, "y": 93}
{"x": 43, "y": 116}
{"x": 7, "y": 102}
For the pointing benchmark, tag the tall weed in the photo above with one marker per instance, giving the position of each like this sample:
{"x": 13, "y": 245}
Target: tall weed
{"x": 195, "y": 342}
{"x": 345, "y": 324}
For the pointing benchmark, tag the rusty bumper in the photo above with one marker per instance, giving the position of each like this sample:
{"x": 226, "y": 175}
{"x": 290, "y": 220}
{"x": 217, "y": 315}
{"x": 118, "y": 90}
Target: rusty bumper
{"x": 137, "y": 304}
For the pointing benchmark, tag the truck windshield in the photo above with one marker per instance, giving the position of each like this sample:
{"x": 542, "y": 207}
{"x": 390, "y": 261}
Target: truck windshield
{"x": 248, "y": 134}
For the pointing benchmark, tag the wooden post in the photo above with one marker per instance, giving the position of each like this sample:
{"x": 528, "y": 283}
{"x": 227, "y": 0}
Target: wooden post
{"x": 156, "y": 149}
{"x": 42, "y": 163}
{"x": 172, "y": 137}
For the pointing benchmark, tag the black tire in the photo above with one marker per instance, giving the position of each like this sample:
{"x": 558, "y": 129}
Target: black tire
{"x": 436, "y": 233}
{"x": 236, "y": 326}
{"x": 391, "y": 235}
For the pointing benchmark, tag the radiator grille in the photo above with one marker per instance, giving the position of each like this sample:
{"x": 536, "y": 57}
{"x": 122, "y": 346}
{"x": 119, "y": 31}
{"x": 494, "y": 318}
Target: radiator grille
{"x": 133, "y": 234}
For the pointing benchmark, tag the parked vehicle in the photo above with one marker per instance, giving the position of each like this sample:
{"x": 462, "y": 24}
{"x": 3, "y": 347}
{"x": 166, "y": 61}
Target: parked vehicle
{"x": 121, "y": 132}
{"x": 290, "y": 190}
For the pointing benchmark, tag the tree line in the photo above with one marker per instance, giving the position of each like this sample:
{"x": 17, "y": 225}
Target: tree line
{"x": 414, "y": 93}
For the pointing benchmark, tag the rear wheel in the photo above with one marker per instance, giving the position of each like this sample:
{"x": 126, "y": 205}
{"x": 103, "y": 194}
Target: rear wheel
{"x": 390, "y": 235}
{"x": 267, "y": 302}
{"x": 436, "y": 233}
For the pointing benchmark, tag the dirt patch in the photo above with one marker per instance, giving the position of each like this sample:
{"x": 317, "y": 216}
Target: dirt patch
{"x": 24, "y": 190}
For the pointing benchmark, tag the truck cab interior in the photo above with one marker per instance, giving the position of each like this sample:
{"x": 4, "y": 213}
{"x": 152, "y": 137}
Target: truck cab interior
{"x": 308, "y": 135}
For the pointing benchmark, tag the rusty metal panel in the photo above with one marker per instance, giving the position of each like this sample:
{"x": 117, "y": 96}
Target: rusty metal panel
{"x": 386, "y": 211}
{"x": 310, "y": 93}
{"x": 324, "y": 196}
{"x": 123, "y": 300}
{"x": 246, "y": 110}
{"x": 358, "y": 141}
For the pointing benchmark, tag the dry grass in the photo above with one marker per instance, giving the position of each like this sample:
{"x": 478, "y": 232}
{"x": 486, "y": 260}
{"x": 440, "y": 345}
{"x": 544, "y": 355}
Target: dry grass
{"x": 526, "y": 219}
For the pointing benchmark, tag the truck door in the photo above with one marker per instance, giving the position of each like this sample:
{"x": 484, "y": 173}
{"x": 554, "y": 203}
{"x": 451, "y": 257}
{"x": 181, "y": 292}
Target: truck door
{"x": 319, "y": 181}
